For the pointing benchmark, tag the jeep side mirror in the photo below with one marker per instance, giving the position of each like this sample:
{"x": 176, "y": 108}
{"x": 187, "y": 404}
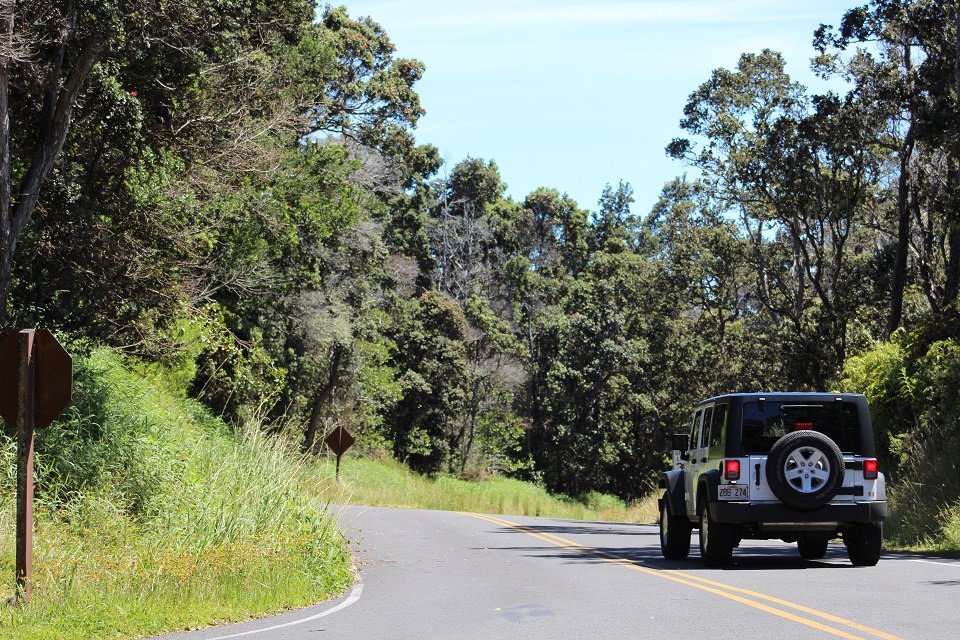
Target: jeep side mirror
{"x": 681, "y": 442}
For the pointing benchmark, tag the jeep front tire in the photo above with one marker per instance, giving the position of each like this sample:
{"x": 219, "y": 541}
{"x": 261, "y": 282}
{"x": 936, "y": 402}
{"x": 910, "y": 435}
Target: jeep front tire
{"x": 674, "y": 533}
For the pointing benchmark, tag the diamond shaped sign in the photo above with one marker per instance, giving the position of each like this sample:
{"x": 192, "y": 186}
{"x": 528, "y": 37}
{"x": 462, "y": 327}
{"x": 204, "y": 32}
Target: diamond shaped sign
{"x": 339, "y": 441}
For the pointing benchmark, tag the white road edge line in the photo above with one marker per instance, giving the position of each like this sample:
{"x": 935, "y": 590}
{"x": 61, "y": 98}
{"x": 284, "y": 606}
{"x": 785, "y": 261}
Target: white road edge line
{"x": 354, "y": 596}
{"x": 942, "y": 564}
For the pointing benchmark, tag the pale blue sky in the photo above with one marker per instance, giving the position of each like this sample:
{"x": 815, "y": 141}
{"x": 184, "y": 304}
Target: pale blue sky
{"x": 574, "y": 95}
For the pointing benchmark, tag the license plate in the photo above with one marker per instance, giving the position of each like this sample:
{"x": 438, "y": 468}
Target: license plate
{"x": 732, "y": 492}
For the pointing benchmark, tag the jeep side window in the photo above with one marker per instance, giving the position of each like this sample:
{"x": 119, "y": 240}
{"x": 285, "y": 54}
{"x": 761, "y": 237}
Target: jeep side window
{"x": 695, "y": 430}
{"x": 719, "y": 428}
{"x": 705, "y": 432}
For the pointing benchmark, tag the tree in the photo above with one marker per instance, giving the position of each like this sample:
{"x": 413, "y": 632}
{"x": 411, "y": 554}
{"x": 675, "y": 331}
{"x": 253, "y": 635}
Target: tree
{"x": 583, "y": 352}
{"x": 704, "y": 257}
{"x": 799, "y": 172}
{"x": 461, "y": 231}
{"x": 189, "y": 219}
{"x": 912, "y": 85}
{"x": 428, "y": 337}
{"x": 495, "y": 372}
{"x": 63, "y": 86}
{"x": 325, "y": 327}
{"x": 50, "y": 51}
{"x": 545, "y": 247}
{"x": 615, "y": 226}
{"x": 355, "y": 87}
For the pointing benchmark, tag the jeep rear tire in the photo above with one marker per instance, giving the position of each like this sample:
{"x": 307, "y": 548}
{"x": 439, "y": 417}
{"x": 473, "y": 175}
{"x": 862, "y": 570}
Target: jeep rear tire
{"x": 674, "y": 533}
{"x": 805, "y": 469}
{"x": 864, "y": 544}
{"x": 716, "y": 539}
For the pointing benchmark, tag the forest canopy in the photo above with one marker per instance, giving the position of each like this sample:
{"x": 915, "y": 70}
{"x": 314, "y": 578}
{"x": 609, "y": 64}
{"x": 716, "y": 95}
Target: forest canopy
{"x": 235, "y": 191}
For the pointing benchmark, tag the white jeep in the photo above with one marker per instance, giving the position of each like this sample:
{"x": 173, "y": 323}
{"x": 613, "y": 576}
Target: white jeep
{"x": 800, "y": 467}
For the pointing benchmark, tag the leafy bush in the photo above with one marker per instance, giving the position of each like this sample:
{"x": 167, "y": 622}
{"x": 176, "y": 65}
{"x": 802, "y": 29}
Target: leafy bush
{"x": 112, "y": 441}
{"x": 911, "y": 384}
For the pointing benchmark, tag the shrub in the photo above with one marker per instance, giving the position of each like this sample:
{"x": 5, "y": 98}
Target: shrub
{"x": 911, "y": 385}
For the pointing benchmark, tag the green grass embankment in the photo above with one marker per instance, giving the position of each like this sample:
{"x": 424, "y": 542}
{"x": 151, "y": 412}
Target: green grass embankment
{"x": 152, "y": 517}
{"x": 386, "y": 483}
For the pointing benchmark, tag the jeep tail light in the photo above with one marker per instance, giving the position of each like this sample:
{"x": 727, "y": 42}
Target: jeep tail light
{"x": 870, "y": 470}
{"x": 731, "y": 469}
{"x": 803, "y": 425}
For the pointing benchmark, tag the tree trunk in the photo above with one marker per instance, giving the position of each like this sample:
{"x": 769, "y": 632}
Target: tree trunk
{"x": 310, "y": 436}
{"x": 952, "y": 281}
{"x": 63, "y": 89}
{"x": 903, "y": 233}
{"x": 6, "y": 228}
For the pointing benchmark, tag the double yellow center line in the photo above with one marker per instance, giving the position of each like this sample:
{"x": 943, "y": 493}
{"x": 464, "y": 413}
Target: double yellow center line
{"x": 806, "y": 616}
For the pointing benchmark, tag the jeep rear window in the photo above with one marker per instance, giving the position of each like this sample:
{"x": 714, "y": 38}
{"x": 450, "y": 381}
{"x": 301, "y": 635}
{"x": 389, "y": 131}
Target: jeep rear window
{"x": 764, "y": 425}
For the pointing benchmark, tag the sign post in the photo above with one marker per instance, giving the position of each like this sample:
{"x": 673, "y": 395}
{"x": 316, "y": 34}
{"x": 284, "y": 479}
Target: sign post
{"x": 339, "y": 441}
{"x": 36, "y": 382}
{"x": 25, "y": 425}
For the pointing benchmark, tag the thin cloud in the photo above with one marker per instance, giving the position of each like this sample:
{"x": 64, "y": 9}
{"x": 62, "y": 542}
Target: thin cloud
{"x": 520, "y": 16}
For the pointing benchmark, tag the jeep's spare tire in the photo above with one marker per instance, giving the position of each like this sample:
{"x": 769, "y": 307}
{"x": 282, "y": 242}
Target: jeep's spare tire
{"x": 805, "y": 469}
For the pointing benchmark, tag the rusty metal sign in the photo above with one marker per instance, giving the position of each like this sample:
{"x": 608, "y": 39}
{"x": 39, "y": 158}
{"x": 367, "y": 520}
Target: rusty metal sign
{"x": 339, "y": 441}
{"x": 52, "y": 377}
{"x": 9, "y": 373}
{"x": 34, "y": 370}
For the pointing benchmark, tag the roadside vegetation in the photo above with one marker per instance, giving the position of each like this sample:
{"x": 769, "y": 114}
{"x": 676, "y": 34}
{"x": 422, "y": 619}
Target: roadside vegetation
{"x": 152, "y": 516}
{"x": 387, "y": 483}
{"x": 911, "y": 383}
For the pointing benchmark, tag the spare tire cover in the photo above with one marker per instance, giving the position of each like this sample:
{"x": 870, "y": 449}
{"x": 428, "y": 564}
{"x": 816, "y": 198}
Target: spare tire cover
{"x": 805, "y": 469}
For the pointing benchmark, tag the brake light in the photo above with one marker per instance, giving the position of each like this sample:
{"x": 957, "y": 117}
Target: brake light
{"x": 870, "y": 470}
{"x": 803, "y": 425}
{"x": 731, "y": 469}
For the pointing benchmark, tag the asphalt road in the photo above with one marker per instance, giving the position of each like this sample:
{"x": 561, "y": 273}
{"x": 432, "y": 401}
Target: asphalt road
{"x": 437, "y": 575}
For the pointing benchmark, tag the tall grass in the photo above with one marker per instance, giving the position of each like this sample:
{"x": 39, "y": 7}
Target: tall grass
{"x": 389, "y": 484}
{"x": 911, "y": 383}
{"x": 924, "y": 504}
{"x": 152, "y": 517}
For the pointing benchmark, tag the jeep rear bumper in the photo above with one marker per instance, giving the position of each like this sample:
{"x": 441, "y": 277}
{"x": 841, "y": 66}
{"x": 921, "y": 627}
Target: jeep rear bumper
{"x": 774, "y": 514}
